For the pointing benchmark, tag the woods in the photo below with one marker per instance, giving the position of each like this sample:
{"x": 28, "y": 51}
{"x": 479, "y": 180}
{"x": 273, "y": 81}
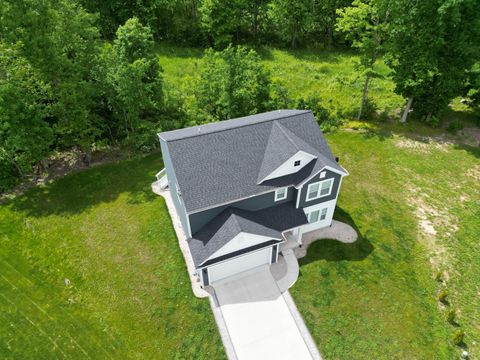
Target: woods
{"x": 83, "y": 74}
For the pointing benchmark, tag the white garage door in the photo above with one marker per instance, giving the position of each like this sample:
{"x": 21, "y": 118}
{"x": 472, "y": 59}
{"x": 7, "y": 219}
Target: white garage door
{"x": 239, "y": 264}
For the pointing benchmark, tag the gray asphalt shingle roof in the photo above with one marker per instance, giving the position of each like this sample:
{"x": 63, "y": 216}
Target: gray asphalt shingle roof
{"x": 269, "y": 222}
{"x": 221, "y": 162}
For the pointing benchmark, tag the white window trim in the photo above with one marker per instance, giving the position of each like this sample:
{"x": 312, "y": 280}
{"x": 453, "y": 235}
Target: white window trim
{"x": 277, "y": 192}
{"x": 319, "y": 183}
{"x": 309, "y": 216}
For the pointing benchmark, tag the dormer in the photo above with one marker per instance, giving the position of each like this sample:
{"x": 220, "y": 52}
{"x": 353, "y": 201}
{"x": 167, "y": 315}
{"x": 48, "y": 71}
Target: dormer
{"x": 285, "y": 154}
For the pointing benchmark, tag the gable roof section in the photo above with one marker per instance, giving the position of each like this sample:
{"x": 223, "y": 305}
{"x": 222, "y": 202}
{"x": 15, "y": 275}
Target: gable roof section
{"x": 282, "y": 145}
{"x": 269, "y": 222}
{"x": 220, "y": 162}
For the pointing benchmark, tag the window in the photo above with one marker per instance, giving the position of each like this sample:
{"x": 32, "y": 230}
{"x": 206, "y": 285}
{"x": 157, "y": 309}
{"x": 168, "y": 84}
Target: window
{"x": 281, "y": 194}
{"x": 313, "y": 216}
{"x": 323, "y": 214}
{"x": 323, "y": 174}
{"x": 296, "y": 163}
{"x": 319, "y": 189}
{"x": 317, "y": 215}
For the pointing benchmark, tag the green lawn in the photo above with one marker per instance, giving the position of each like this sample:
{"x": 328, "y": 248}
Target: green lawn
{"x": 376, "y": 299}
{"x": 129, "y": 295}
{"x": 416, "y": 206}
{"x": 331, "y": 75}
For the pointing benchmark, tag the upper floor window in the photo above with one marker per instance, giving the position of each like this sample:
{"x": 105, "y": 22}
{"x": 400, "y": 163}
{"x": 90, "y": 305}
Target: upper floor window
{"x": 319, "y": 189}
{"x": 296, "y": 163}
{"x": 281, "y": 194}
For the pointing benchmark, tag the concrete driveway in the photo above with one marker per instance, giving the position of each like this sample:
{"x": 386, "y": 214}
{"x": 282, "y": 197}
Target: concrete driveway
{"x": 259, "y": 322}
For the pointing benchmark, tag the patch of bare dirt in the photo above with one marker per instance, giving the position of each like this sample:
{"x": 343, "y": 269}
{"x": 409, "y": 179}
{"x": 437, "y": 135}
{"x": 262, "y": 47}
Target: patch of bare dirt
{"x": 470, "y": 136}
{"x": 62, "y": 163}
{"x": 423, "y": 144}
{"x": 474, "y": 172}
{"x": 430, "y": 221}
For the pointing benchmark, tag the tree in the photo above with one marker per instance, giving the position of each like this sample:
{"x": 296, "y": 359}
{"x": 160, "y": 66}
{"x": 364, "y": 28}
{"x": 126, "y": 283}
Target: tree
{"x": 169, "y": 19}
{"x": 430, "y": 50}
{"x": 61, "y": 41}
{"x": 25, "y": 136}
{"x": 233, "y": 83}
{"x": 291, "y": 18}
{"x": 324, "y": 17}
{"x": 130, "y": 76}
{"x": 472, "y": 87}
{"x": 364, "y": 25}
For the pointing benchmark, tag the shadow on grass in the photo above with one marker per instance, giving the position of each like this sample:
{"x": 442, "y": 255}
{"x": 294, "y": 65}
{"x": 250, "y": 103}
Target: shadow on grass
{"x": 84, "y": 189}
{"x": 322, "y": 55}
{"x": 334, "y": 250}
{"x": 172, "y": 50}
{"x": 419, "y": 132}
{"x": 475, "y": 151}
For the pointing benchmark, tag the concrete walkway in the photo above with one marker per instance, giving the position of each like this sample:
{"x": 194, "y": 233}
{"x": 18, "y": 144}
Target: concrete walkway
{"x": 286, "y": 270}
{"x": 337, "y": 231}
{"x": 255, "y": 314}
{"x": 260, "y": 321}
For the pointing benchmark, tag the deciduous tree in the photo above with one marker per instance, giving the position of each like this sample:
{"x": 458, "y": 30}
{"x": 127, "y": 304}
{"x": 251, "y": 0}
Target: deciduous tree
{"x": 25, "y": 135}
{"x": 431, "y": 47}
{"x": 130, "y": 75}
{"x": 233, "y": 83}
{"x": 363, "y": 24}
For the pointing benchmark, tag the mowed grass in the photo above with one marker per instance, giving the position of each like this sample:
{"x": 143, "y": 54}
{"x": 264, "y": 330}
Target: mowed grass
{"x": 377, "y": 298}
{"x": 90, "y": 268}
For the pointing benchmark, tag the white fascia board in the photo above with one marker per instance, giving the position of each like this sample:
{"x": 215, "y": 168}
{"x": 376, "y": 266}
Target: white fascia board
{"x": 239, "y": 242}
{"x": 287, "y": 167}
{"x": 318, "y": 172}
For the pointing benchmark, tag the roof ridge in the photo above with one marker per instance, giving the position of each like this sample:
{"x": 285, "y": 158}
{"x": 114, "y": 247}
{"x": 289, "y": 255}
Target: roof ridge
{"x": 234, "y": 218}
{"x": 282, "y": 129}
{"x": 289, "y": 134}
{"x": 301, "y": 112}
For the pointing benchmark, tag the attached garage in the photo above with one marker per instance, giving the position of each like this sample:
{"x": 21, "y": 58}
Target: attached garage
{"x": 237, "y": 265}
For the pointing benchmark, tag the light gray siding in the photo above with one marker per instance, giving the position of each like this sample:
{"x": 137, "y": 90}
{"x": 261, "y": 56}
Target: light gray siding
{"x": 303, "y": 195}
{"x": 172, "y": 183}
{"x": 200, "y": 219}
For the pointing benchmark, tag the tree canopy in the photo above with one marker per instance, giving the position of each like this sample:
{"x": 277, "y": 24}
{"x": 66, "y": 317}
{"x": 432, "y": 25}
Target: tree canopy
{"x": 83, "y": 74}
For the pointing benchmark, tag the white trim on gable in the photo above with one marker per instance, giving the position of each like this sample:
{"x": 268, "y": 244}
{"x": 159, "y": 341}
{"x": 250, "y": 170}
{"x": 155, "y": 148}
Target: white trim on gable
{"x": 239, "y": 242}
{"x": 288, "y": 167}
{"x": 319, "y": 171}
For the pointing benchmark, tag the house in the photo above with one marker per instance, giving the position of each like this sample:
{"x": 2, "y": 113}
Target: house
{"x": 245, "y": 189}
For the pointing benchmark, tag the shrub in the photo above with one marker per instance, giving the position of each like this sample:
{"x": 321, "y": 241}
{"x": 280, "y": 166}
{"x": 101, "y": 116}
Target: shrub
{"x": 458, "y": 336}
{"x": 314, "y": 103}
{"x": 233, "y": 83}
{"x": 8, "y": 176}
{"x": 454, "y": 127}
{"x": 451, "y": 315}
{"x": 442, "y": 295}
{"x": 431, "y": 120}
{"x": 279, "y": 96}
{"x": 369, "y": 110}
{"x": 439, "y": 275}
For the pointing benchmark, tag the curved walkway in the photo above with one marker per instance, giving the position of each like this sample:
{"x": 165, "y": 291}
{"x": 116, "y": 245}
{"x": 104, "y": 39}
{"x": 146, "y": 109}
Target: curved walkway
{"x": 337, "y": 231}
{"x": 286, "y": 270}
